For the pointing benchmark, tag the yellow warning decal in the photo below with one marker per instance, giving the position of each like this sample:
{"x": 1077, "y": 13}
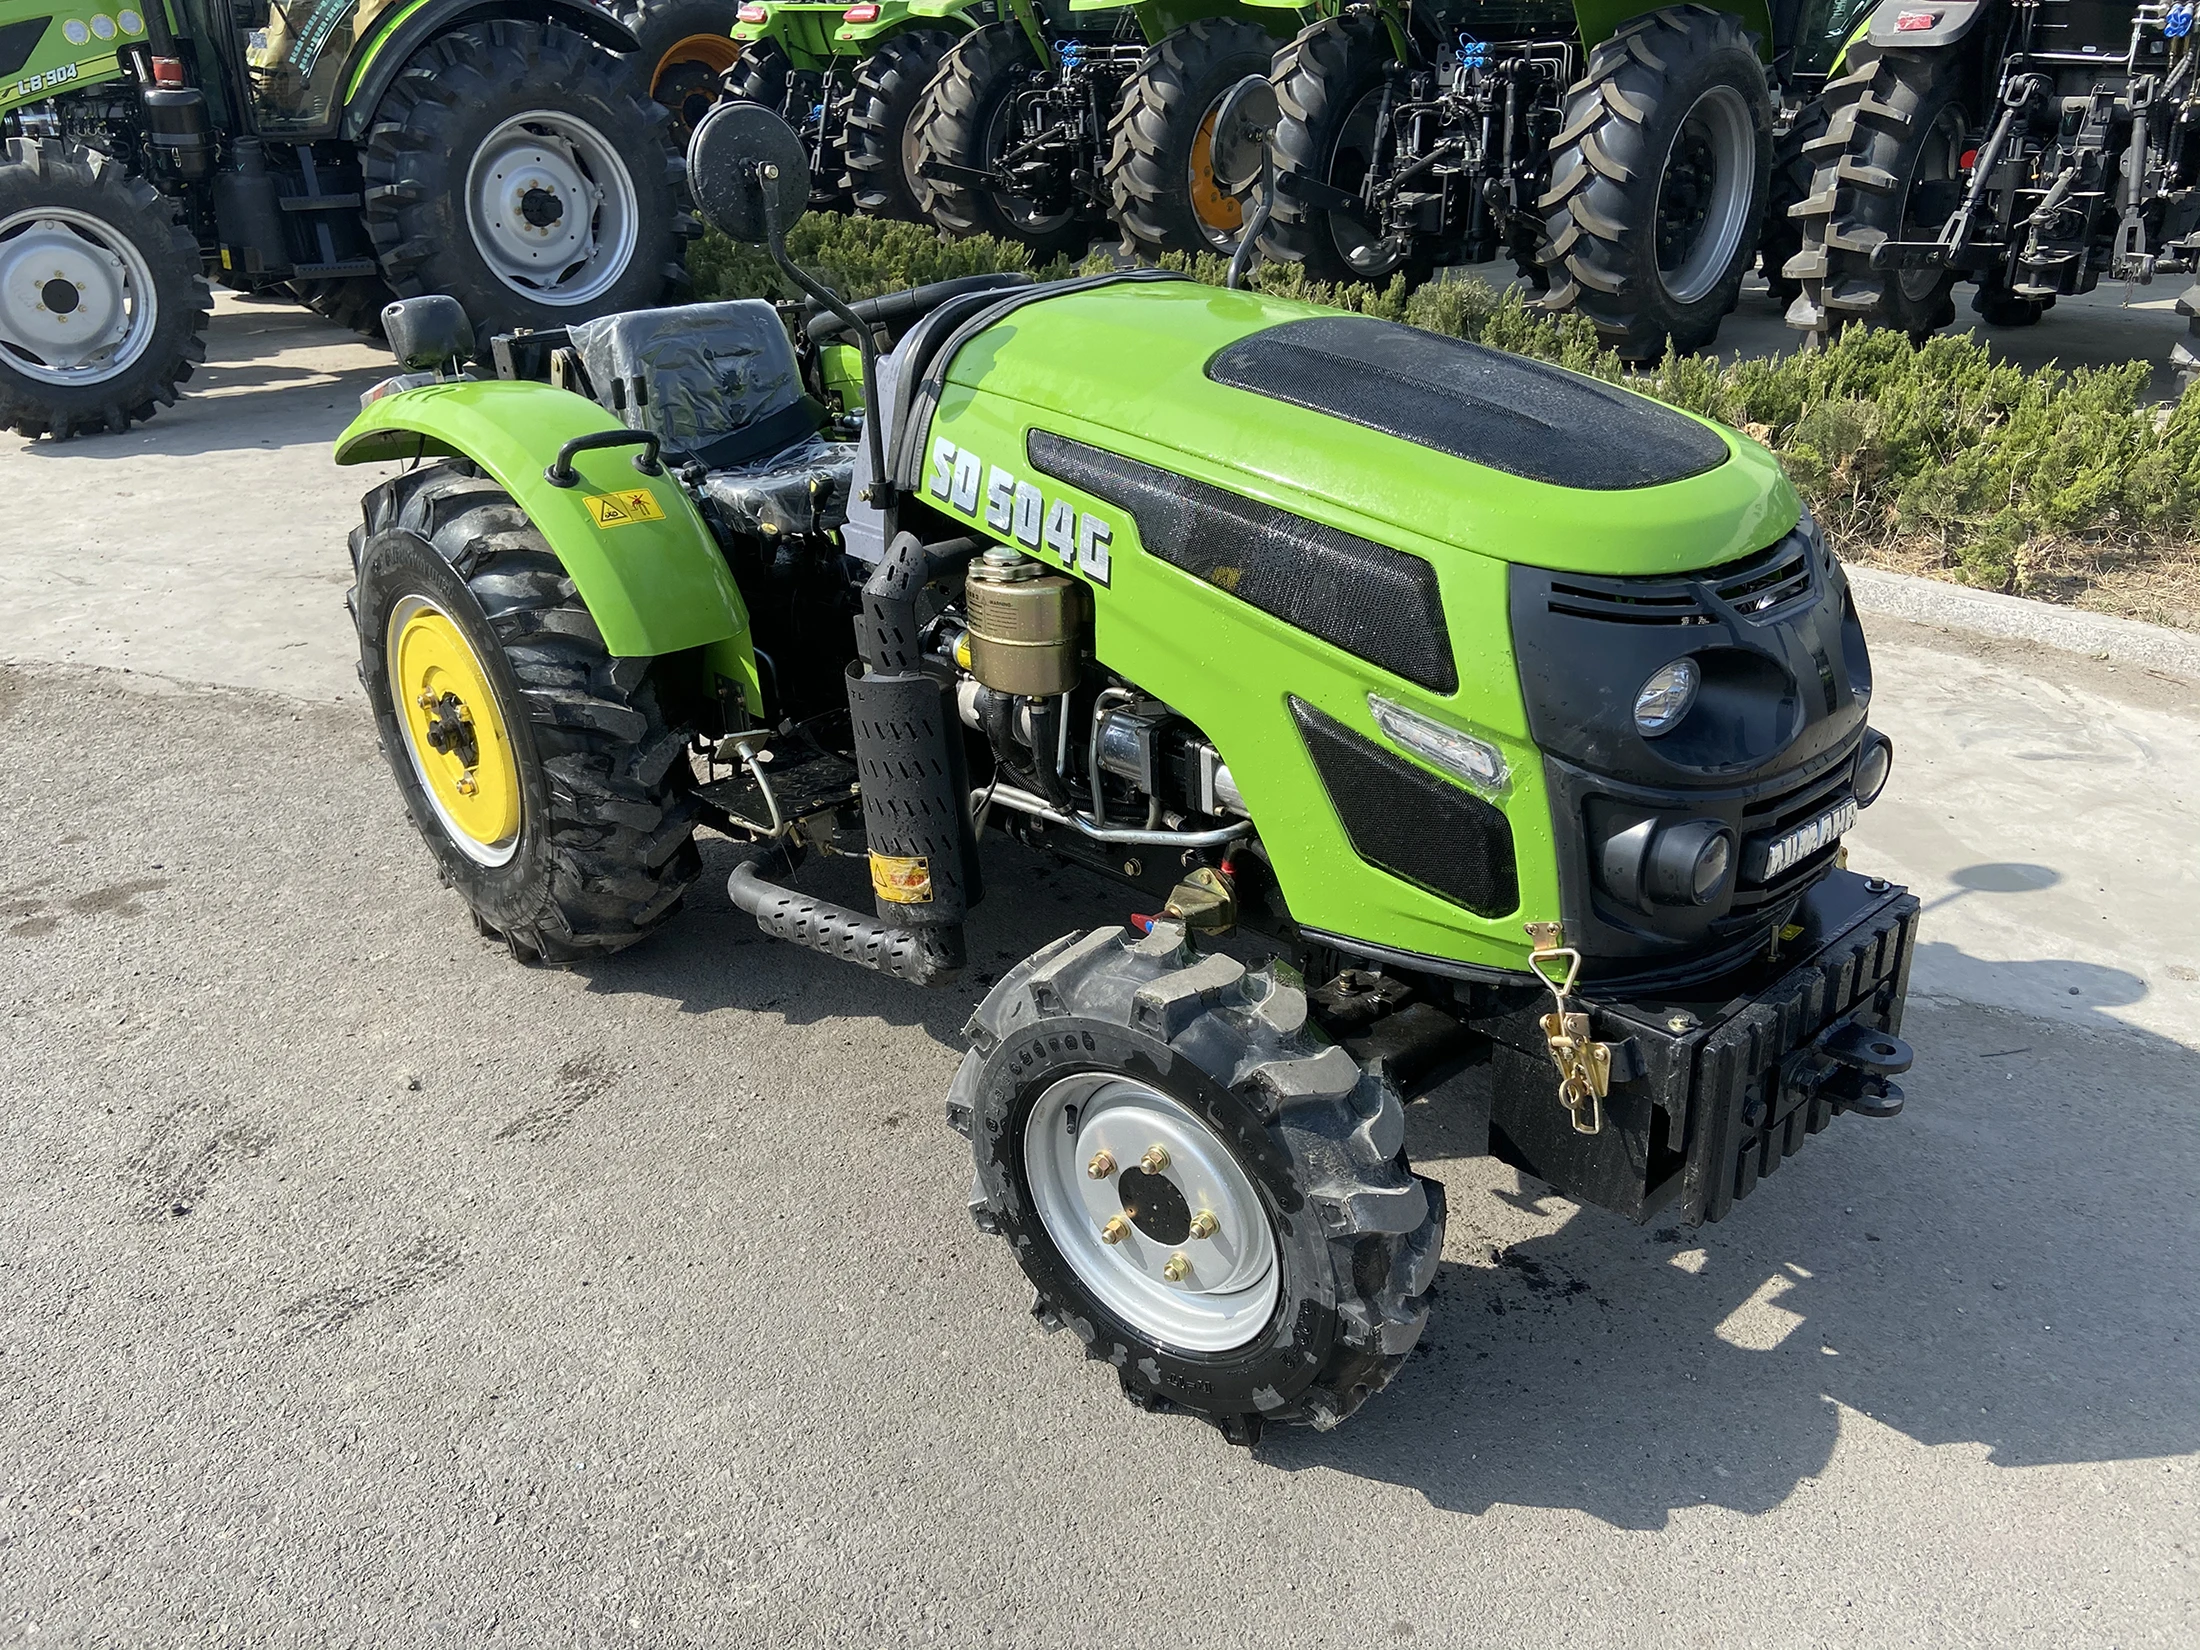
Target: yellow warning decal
{"x": 903, "y": 881}
{"x": 624, "y": 509}
{"x": 1793, "y": 931}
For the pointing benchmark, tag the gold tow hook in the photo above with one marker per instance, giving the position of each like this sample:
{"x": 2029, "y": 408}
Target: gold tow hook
{"x": 1584, "y": 1064}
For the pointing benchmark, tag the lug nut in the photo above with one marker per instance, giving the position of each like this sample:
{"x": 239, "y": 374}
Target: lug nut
{"x": 1155, "y": 1160}
{"x": 426, "y": 701}
{"x": 1102, "y": 1165}
{"x": 467, "y": 784}
{"x": 1179, "y": 1267}
{"x": 1204, "y": 1224}
{"x": 1116, "y": 1230}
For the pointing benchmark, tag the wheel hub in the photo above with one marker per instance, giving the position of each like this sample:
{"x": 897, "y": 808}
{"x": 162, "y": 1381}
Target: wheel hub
{"x": 76, "y": 297}
{"x": 454, "y": 731}
{"x": 1220, "y": 213}
{"x": 552, "y": 208}
{"x": 1704, "y": 193}
{"x": 1153, "y": 1211}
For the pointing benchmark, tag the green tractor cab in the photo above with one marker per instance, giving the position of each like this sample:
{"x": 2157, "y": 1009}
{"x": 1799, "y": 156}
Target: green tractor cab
{"x": 1452, "y": 725}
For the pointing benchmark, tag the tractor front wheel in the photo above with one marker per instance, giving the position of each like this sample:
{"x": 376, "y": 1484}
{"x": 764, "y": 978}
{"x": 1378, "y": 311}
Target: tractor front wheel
{"x": 1213, "y": 1197}
{"x": 1161, "y": 164}
{"x": 545, "y": 775}
{"x": 103, "y": 310}
{"x": 882, "y": 113}
{"x": 512, "y": 167}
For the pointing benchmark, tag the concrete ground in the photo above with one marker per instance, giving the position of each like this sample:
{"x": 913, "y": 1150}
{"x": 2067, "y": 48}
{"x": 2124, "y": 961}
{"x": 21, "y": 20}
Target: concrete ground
{"x": 360, "y": 1287}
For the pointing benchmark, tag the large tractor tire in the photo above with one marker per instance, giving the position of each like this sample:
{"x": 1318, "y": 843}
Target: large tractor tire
{"x": 1329, "y": 82}
{"x": 355, "y": 302}
{"x": 103, "y": 309}
{"x": 1161, "y": 167}
{"x": 964, "y": 120}
{"x": 687, "y": 47}
{"x": 882, "y": 110}
{"x": 543, "y": 773}
{"x": 512, "y": 167}
{"x": 1658, "y": 181}
{"x": 1895, "y": 128}
{"x": 1782, "y": 235}
{"x": 805, "y": 100}
{"x": 1211, "y": 1195}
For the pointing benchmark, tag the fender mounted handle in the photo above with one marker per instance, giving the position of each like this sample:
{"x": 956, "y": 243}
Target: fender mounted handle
{"x": 560, "y": 473}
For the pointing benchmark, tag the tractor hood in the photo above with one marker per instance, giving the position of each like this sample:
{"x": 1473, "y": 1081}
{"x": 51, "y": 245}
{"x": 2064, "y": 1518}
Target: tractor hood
{"x": 1381, "y": 429}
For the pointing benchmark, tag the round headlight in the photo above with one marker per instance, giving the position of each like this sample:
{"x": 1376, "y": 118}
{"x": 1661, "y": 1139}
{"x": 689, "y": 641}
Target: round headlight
{"x": 1690, "y": 863}
{"x": 1666, "y": 697}
{"x": 1873, "y": 763}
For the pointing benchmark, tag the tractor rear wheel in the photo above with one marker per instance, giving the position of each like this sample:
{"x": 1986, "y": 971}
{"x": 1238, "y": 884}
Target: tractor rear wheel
{"x": 544, "y": 774}
{"x": 1330, "y": 83}
{"x": 1782, "y": 236}
{"x": 511, "y": 167}
{"x": 1887, "y": 169}
{"x": 1211, "y": 1195}
{"x": 355, "y": 301}
{"x": 882, "y": 110}
{"x": 1658, "y": 181}
{"x": 1161, "y": 167}
{"x": 687, "y": 47}
{"x": 103, "y": 309}
{"x": 966, "y": 119}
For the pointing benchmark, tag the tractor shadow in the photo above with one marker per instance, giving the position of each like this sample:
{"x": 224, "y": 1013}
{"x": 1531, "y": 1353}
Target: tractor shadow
{"x": 2005, "y": 1268}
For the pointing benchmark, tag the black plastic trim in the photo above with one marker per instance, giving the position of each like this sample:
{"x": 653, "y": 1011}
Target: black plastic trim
{"x": 18, "y": 40}
{"x": 398, "y": 46}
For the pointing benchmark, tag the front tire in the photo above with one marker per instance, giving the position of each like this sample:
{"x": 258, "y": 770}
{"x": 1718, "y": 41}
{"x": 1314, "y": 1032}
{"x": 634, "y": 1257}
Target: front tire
{"x": 881, "y": 133}
{"x": 1161, "y": 171}
{"x": 511, "y": 167}
{"x": 964, "y": 119}
{"x": 1658, "y": 181}
{"x": 103, "y": 308}
{"x": 545, "y": 776}
{"x": 1307, "y": 1289}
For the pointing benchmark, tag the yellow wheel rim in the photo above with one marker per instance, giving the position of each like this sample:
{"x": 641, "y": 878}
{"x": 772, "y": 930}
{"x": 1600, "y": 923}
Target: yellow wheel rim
{"x": 1221, "y": 215}
{"x": 714, "y": 53}
{"x": 454, "y": 731}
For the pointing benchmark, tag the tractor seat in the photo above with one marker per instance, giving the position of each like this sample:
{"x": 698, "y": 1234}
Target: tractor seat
{"x": 800, "y": 490}
{"x": 715, "y": 383}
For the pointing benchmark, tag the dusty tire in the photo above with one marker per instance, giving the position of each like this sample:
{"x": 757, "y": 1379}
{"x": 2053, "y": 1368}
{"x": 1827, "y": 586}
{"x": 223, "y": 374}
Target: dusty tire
{"x": 527, "y": 221}
{"x": 1782, "y": 236}
{"x": 1895, "y": 119}
{"x": 881, "y": 136}
{"x": 121, "y": 249}
{"x": 1160, "y": 171}
{"x": 687, "y": 48}
{"x": 1658, "y": 181}
{"x": 602, "y": 847}
{"x": 1327, "y": 81}
{"x": 355, "y": 302}
{"x": 1272, "y": 1123}
{"x": 960, "y": 120}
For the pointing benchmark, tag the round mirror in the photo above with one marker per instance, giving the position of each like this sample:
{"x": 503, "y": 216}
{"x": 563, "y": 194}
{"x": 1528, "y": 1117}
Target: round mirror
{"x": 740, "y": 153}
{"x": 1244, "y": 122}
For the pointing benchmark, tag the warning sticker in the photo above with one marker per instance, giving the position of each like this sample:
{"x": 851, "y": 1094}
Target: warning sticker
{"x": 903, "y": 881}
{"x": 624, "y": 509}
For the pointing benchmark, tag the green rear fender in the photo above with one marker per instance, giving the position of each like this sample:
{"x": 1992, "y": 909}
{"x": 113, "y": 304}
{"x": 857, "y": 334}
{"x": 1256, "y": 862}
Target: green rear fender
{"x": 655, "y": 584}
{"x": 898, "y": 16}
{"x": 403, "y": 30}
{"x": 804, "y": 32}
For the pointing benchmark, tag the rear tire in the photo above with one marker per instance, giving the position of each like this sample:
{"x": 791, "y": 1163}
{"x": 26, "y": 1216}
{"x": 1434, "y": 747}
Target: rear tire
{"x": 511, "y": 167}
{"x": 129, "y": 266}
{"x": 687, "y": 48}
{"x": 355, "y": 302}
{"x": 961, "y": 120}
{"x": 1658, "y": 181}
{"x": 1160, "y": 173}
{"x": 881, "y": 126}
{"x": 1311, "y": 1289}
{"x": 602, "y": 849}
{"x": 1782, "y": 236}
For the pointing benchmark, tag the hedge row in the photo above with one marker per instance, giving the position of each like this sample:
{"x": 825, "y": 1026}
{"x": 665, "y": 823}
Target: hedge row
{"x": 2068, "y": 485}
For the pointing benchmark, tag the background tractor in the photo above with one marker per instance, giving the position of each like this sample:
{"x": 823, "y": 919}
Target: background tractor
{"x": 684, "y": 50}
{"x": 2033, "y": 149}
{"x": 1450, "y": 724}
{"x": 350, "y": 150}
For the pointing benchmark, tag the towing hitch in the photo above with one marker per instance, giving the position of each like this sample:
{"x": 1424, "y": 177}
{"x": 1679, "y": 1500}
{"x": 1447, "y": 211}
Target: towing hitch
{"x": 1851, "y": 1064}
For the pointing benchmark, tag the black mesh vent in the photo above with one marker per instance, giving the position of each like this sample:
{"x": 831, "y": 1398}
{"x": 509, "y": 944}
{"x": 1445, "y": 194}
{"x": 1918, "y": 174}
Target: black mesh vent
{"x": 1512, "y": 414}
{"x": 1411, "y": 823}
{"x": 16, "y": 41}
{"x": 1760, "y": 587}
{"x": 1374, "y": 602}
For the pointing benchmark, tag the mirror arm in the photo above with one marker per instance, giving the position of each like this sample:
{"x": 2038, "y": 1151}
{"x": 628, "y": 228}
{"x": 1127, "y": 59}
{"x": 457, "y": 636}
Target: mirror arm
{"x": 881, "y": 488}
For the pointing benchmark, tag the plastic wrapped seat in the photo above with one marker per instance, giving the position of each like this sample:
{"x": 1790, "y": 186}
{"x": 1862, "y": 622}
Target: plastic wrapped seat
{"x": 803, "y": 489}
{"x": 716, "y": 383}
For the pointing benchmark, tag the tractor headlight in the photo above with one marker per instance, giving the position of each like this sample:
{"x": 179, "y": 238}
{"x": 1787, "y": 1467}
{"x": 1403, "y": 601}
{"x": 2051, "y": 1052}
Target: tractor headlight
{"x": 1873, "y": 763}
{"x": 1689, "y": 864}
{"x": 1476, "y": 763}
{"x": 1666, "y": 697}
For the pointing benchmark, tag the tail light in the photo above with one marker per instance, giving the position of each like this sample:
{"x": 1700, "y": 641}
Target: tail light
{"x": 751, "y": 14}
{"x": 860, "y": 14}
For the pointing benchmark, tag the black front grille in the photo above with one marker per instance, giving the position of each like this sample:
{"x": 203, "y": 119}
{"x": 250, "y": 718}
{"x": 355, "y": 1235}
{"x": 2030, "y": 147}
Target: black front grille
{"x": 1764, "y": 584}
{"x": 1759, "y": 587}
{"x": 1769, "y": 817}
{"x": 1627, "y": 601}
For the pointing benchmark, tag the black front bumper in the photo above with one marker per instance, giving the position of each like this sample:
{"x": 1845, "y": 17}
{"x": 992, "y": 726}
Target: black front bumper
{"x": 1716, "y": 1083}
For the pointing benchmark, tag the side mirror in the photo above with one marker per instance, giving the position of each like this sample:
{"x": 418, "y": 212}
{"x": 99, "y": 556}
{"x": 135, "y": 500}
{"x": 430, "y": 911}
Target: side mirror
{"x": 1245, "y": 123}
{"x": 428, "y": 334}
{"x": 748, "y": 173}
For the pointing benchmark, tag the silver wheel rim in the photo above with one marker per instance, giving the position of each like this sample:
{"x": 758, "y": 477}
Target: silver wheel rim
{"x": 552, "y": 208}
{"x": 481, "y": 853}
{"x": 1703, "y": 194}
{"x": 1229, "y": 1293}
{"x": 77, "y": 305}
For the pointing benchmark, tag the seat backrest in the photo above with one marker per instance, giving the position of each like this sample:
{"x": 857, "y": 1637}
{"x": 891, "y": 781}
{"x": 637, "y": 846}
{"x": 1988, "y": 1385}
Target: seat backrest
{"x": 708, "y": 380}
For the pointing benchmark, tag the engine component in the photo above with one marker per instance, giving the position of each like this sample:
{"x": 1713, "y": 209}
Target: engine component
{"x": 1025, "y": 625}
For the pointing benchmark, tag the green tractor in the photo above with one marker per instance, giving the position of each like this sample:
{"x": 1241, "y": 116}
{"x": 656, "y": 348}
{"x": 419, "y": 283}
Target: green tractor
{"x": 1057, "y": 118}
{"x": 1506, "y": 723}
{"x": 347, "y": 150}
{"x": 848, "y": 78}
{"x": 1630, "y": 161}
